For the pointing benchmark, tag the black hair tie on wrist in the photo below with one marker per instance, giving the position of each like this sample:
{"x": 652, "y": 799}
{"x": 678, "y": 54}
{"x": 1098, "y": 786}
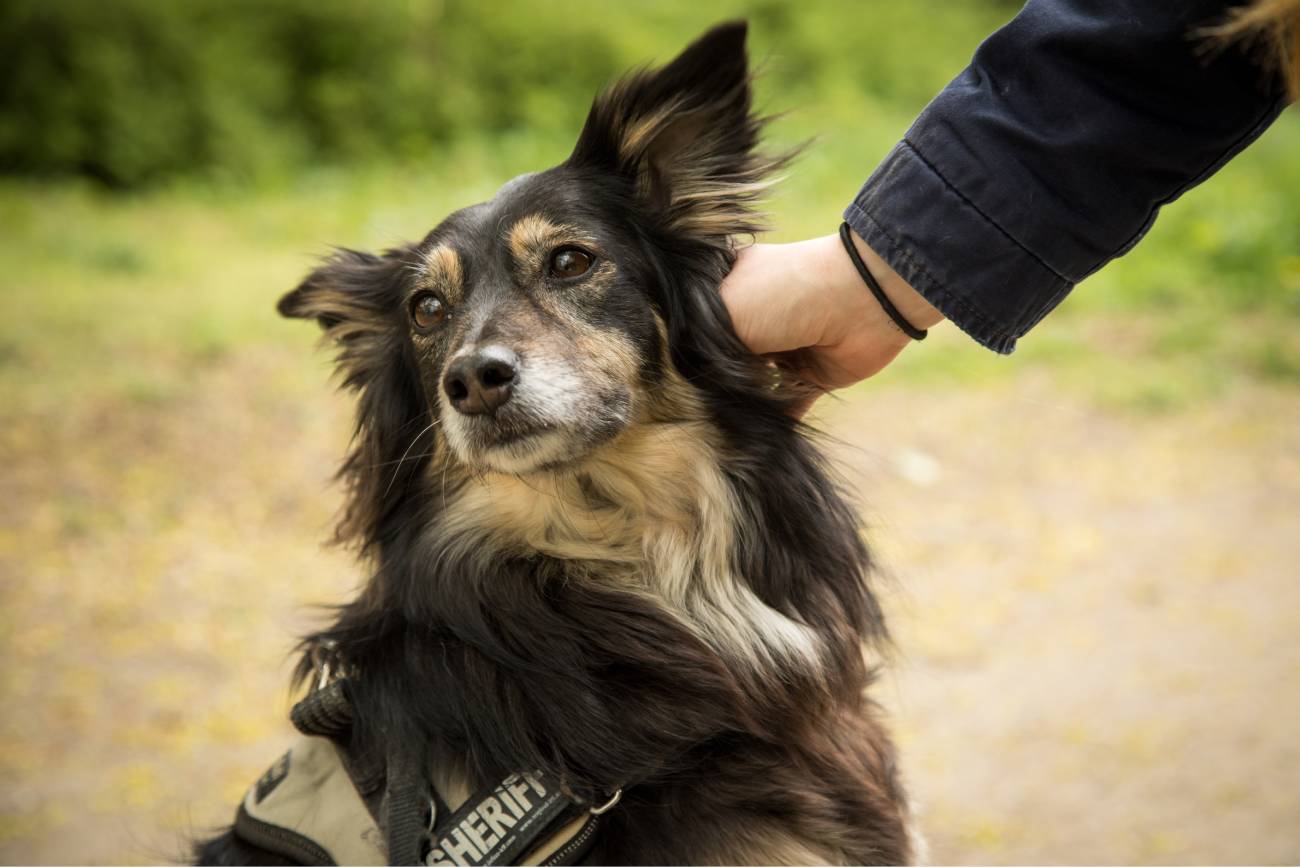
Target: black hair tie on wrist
{"x": 874, "y": 285}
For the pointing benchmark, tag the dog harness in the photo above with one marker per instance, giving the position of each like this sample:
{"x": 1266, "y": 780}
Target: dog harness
{"x": 317, "y": 804}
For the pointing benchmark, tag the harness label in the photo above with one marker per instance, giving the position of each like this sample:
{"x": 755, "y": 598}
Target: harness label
{"x": 498, "y": 825}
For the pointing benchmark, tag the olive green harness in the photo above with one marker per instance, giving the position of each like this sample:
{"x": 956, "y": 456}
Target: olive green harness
{"x": 318, "y": 805}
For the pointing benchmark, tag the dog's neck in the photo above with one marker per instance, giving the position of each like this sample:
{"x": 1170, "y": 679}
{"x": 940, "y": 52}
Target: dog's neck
{"x": 652, "y": 513}
{"x": 684, "y": 584}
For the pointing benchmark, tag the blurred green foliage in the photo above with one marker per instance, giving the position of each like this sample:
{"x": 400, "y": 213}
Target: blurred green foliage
{"x": 132, "y": 91}
{"x": 135, "y": 91}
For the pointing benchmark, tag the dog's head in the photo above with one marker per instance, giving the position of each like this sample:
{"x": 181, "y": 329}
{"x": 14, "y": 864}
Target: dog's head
{"x": 526, "y": 332}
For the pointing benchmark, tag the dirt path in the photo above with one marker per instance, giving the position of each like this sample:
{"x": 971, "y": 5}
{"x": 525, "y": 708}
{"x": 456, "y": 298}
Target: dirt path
{"x": 1099, "y": 622}
{"x": 1097, "y": 614}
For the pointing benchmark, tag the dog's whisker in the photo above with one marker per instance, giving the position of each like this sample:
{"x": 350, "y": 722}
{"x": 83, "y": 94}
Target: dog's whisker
{"x": 407, "y": 459}
{"x": 403, "y": 459}
{"x": 430, "y": 427}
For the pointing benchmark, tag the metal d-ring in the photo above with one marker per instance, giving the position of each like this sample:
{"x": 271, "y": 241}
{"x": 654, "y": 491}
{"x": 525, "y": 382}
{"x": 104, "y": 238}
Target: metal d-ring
{"x": 608, "y": 805}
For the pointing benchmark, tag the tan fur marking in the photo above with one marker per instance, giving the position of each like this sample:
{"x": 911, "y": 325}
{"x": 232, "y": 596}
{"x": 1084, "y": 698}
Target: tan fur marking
{"x": 443, "y": 271}
{"x": 530, "y": 234}
{"x": 452, "y": 783}
{"x": 356, "y": 330}
{"x": 641, "y": 132}
{"x": 769, "y": 846}
{"x": 531, "y": 241}
{"x": 533, "y": 237}
{"x": 675, "y": 149}
{"x": 618, "y": 357}
{"x": 709, "y": 207}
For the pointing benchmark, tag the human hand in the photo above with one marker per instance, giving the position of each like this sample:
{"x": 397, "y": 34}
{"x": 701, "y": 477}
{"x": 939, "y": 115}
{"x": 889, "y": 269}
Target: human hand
{"x": 806, "y": 302}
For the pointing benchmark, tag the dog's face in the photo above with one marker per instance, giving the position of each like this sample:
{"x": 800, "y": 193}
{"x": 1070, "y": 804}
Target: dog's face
{"x": 530, "y": 323}
{"x": 537, "y": 327}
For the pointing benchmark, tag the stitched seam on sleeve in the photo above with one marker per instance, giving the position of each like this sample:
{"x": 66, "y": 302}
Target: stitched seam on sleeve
{"x": 974, "y": 207}
{"x": 991, "y": 331}
{"x": 898, "y": 246}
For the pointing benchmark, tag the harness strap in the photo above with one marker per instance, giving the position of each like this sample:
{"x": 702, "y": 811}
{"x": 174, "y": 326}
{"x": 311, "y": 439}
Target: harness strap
{"x": 503, "y": 822}
{"x": 325, "y": 712}
{"x": 407, "y": 799}
{"x": 524, "y": 819}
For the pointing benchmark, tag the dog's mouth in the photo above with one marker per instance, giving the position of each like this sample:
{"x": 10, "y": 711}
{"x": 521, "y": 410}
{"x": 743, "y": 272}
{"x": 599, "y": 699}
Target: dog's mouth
{"x": 507, "y": 443}
{"x": 510, "y": 447}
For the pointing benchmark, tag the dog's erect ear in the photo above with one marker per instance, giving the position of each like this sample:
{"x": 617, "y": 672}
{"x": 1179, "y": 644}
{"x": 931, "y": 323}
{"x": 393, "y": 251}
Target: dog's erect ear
{"x": 686, "y": 134}
{"x": 353, "y": 296}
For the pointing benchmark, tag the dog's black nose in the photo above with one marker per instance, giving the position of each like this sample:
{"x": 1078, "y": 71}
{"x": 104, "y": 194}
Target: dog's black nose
{"x": 480, "y": 381}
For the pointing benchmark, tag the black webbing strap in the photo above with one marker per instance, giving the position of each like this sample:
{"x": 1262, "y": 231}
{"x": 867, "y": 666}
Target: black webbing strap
{"x": 326, "y": 711}
{"x": 498, "y": 825}
{"x": 406, "y": 799}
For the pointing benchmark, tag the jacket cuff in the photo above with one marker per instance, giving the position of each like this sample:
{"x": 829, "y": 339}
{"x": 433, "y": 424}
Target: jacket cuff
{"x": 963, "y": 263}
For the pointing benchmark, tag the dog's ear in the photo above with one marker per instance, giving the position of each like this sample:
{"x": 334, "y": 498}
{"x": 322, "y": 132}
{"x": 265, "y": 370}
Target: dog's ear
{"x": 356, "y": 299}
{"x": 686, "y": 135}
{"x": 349, "y": 286}
{"x": 353, "y": 296}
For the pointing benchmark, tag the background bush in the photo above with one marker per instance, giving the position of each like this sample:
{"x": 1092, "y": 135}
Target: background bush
{"x": 133, "y": 91}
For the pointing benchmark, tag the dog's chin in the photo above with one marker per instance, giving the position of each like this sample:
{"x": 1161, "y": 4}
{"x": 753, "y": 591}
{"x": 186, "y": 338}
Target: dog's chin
{"x": 544, "y": 451}
{"x": 482, "y": 446}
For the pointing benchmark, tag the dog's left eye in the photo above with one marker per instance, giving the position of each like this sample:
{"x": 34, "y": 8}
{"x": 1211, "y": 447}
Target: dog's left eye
{"x": 568, "y": 262}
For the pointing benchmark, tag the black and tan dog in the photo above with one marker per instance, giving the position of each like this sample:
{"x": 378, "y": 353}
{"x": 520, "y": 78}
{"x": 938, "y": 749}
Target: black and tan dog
{"x": 602, "y": 548}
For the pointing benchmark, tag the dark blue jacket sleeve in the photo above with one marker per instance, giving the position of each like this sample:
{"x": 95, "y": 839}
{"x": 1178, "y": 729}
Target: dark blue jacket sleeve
{"x": 1052, "y": 152}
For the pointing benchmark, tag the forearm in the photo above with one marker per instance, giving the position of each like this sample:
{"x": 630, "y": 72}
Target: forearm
{"x": 1051, "y": 154}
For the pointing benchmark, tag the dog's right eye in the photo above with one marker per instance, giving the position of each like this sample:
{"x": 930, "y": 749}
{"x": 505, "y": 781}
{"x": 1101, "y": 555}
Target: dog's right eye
{"x": 427, "y": 310}
{"x": 569, "y": 262}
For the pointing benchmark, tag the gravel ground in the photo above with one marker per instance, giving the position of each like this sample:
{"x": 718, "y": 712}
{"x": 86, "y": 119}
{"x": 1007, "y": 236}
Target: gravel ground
{"x": 1096, "y": 613}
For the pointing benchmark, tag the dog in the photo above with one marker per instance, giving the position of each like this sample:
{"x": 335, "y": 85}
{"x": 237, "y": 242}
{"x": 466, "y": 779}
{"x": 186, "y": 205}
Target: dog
{"x": 604, "y": 551}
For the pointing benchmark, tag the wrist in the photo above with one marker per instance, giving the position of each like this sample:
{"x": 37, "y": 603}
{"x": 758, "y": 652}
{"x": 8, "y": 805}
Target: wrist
{"x": 910, "y": 304}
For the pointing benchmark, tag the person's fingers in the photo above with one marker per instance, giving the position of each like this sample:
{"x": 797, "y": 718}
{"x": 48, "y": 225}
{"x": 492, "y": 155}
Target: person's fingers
{"x": 742, "y": 292}
{"x": 766, "y": 297}
{"x": 799, "y": 376}
{"x": 803, "y": 305}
